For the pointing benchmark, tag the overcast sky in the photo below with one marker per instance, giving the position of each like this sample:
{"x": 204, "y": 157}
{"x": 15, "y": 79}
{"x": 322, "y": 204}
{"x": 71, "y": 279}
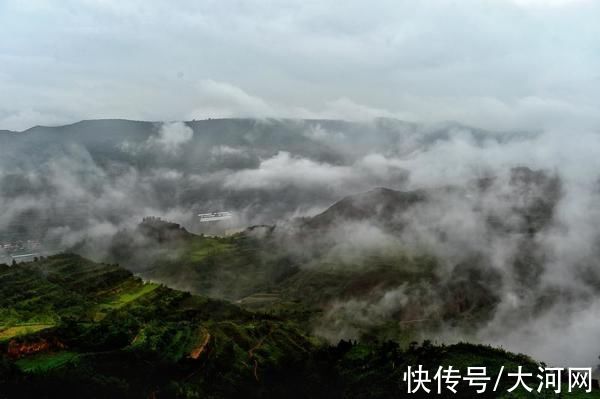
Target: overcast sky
{"x": 503, "y": 64}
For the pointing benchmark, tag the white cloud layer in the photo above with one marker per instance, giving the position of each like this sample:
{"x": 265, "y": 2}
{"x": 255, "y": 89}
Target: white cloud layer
{"x": 172, "y": 136}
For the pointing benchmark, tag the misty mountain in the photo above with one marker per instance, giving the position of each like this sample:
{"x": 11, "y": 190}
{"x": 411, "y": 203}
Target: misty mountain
{"x": 263, "y": 170}
{"x": 359, "y": 256}
{"x": 474, "y": 232}
{"x": 532, "y": 195}
{"x": 379, "y": 205}
{"x": 299, "y": 200}
{"x": 381, "y": 264}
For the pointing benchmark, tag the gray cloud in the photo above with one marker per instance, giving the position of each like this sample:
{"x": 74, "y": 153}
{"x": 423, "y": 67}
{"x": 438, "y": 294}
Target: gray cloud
{"x": 499, "y": 63}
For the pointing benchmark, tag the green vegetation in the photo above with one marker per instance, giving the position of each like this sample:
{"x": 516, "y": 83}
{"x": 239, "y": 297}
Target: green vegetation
{"x": 123, "y": 298}
{"x": 128, "y": 292}
{"x": 206, "y": 247}
{"x": 115, "y": 336}
{"x": 23, "y": 329}
{"x": 46, "y": 361}
{"x": 276, "y": 274}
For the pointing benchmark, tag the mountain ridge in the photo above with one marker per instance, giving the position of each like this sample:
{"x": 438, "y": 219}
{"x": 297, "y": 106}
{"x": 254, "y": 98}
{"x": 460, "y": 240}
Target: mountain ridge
{"x": 377, "y": 120}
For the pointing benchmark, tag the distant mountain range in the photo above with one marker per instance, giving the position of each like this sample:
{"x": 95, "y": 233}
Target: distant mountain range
{"x": 262, "y": 170}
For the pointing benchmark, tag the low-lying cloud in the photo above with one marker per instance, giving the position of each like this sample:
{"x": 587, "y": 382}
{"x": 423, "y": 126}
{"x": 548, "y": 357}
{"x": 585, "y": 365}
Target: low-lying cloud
{"x": 520, "y": 207}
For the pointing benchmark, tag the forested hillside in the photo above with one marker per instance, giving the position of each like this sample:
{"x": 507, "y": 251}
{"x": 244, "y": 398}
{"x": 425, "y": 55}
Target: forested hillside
{"x": 71, "y": 327}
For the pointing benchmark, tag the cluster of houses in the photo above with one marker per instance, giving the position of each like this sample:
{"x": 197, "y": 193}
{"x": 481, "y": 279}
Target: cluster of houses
{"x": 19, "y": 251}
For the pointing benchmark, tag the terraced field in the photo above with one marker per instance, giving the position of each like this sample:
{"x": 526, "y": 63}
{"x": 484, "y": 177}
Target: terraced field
{"x": 7, "y": 333}
{"x": 204, "y": 247}
{"x": 46, "y": 361}
{"x": 101, "y": 313}
{"x": 126, "y": 293}
{"x": 75, "y": 328}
